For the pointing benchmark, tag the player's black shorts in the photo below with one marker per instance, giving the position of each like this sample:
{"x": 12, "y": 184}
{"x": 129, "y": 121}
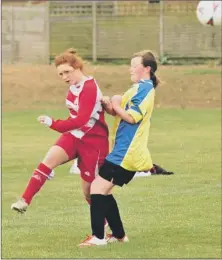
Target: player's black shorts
{"x": 115, "y": 173}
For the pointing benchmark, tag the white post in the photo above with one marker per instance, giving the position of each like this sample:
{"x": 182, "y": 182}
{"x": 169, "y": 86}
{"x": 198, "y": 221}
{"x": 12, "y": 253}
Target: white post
{"x": 47, "y": 31}
{"x": 161, "y": 28}
{"x": 94, "y": 54}
{"x": 115, "y": 7}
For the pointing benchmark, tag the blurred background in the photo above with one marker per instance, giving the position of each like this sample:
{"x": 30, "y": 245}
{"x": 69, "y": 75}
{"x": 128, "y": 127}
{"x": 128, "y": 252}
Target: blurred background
{"x": 35, "y": 31}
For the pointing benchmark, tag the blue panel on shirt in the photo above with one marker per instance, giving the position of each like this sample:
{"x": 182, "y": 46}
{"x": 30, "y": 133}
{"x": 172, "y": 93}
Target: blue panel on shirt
{"x": 125, "y": 131}
{"x": 124, "y": 137}
{"x": 143, "y": 89}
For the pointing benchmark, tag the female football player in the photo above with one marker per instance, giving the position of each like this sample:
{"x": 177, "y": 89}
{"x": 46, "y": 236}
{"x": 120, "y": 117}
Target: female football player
{"x": 129, "y": 154}
{"x": 84, "y": 134}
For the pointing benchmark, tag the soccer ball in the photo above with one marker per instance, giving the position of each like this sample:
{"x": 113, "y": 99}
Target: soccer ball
{"x": 209, "y": 12}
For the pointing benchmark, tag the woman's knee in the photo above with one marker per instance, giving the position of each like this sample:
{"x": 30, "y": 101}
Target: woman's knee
{"x": 101, "y": 186}
{"x": 86, "y": 193}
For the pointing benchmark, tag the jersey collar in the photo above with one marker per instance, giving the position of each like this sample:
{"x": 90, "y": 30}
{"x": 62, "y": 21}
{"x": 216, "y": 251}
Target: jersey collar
{"x": 144, "y": 80}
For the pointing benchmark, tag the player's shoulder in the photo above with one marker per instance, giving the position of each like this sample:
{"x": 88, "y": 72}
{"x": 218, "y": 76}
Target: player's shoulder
{"x": 145, "y": 85}
{"x": 89, "y": 82}
{"x": 145, "y": 88}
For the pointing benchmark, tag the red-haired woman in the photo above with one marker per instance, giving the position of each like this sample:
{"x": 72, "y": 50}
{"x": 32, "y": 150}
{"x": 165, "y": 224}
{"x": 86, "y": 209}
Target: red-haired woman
{"x": 84, "y": 134}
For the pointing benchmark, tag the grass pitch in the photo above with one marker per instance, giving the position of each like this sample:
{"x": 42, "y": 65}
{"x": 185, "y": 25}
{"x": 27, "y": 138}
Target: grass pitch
{"x": 165, "y": 217}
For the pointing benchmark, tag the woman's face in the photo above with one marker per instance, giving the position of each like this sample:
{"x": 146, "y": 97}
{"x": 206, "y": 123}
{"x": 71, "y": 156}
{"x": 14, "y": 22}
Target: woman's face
{"x": 136, "y": 69}
{"x": 67, "y": 73}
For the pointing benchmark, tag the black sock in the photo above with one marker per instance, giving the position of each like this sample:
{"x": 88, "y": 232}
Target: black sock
{"x": 98, "y": 212}
{"x": 113, "y": 217}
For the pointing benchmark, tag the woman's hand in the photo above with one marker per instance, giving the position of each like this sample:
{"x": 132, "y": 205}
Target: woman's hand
{"x": 107, "y": 105}
{"x": 45, "y": 120}
{"x": 106, "y": 100}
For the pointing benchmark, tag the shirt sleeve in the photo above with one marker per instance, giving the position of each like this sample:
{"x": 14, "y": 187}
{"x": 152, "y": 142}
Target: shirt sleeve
{"x": 139, "y": 101}
{"x": 87, "y": 101}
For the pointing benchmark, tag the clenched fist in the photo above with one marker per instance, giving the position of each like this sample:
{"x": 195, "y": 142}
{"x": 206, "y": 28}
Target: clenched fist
{"x": 106, "y": 100}
{"x": 45, "y": 120}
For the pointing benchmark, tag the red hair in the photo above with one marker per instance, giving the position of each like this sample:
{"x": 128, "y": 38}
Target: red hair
{"x": 71, "y": 57}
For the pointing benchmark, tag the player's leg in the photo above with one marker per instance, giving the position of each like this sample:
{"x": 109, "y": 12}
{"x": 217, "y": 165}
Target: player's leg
{"x": 98, "y": 213}
{"x": 91, "y": 155}
{"x": 157, "y": 170}
{"x": 118, "y": 176}
{"x": 59, "y": 153}
{"x": 86, "y": 190}
{"x": 55, "y": 156}
{"x": 103, "y": 205}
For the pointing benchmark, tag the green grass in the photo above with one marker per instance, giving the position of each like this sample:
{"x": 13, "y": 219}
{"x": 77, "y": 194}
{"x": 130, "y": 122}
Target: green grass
{"x": 165, "y": 217}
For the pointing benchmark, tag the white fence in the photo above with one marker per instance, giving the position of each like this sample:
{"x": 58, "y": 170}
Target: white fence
{"x": 106, "y": 30}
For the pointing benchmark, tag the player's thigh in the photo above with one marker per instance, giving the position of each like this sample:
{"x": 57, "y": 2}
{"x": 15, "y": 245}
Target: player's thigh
{"x": 62, "y": 151}
{"x": 101, "y": 186}
{"x": 55, "y": 156}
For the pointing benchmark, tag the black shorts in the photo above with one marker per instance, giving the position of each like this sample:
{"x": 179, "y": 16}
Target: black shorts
{"x": 115, "y": 173}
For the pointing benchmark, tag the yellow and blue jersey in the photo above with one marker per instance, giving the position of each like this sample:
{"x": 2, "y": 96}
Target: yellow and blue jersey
{"x": 130, "y": 140}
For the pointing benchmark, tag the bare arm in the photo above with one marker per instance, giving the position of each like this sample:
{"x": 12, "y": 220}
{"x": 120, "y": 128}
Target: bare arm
{"x": 120, "y": 111}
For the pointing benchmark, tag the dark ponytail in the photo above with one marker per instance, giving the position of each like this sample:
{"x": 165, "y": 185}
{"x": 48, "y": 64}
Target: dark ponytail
{"x": 154, "y": 78}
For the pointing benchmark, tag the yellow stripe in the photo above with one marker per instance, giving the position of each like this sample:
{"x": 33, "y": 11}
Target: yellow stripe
{"x": 135, "y": 115}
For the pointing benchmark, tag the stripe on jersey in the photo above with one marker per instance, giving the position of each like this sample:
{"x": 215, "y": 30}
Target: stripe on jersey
{"x": 137, "y": 108}
{"x": 124, "y": 137}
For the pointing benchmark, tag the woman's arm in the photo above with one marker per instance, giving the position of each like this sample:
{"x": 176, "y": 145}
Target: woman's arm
{"x": 107, "y": 105}
{"x": 87, "y": 102}
{"x": 120, "y": 111}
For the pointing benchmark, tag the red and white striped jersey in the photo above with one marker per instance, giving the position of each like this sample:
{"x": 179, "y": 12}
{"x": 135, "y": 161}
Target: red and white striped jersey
{"x": 86, "y": 112}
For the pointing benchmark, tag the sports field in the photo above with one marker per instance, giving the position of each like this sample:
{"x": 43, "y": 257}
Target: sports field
{"x": 165, "y": 217}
